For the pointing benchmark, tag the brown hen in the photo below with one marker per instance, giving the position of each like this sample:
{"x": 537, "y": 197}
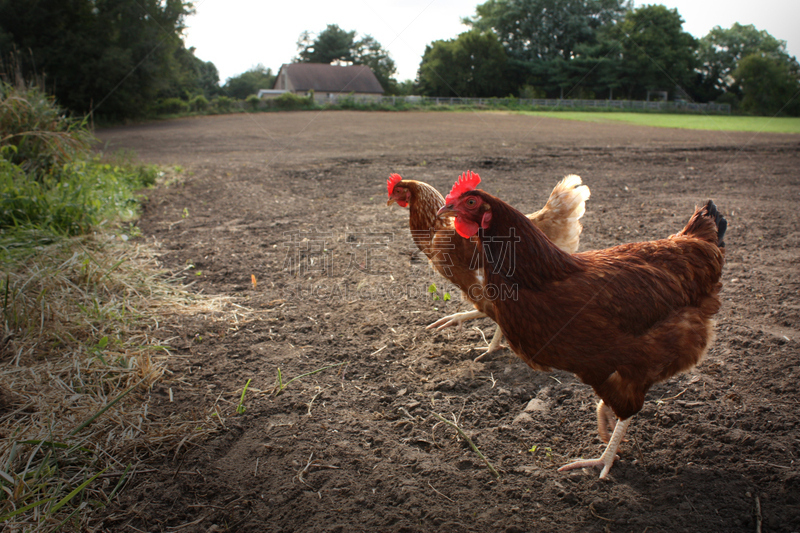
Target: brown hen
{"x": 620, "y": 319}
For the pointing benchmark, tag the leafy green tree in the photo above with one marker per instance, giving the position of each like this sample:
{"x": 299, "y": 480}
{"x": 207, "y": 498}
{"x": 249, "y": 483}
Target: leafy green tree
{"x": 332, "y": 44}
{"x": 545, "y": 29}
{"x": 769, "y": 85}
{"x": 190, "y": 76}
{"x": 335, "y": 44}
{"x": 721, "y": 50}
{"x": 472, "y": 65}
{"x": 550, "y": 42}
{"x": 367, "y": 51}
{"x": 405, "y": 88}
{"x": 649, "y": 50}
{"x": 249, "y": 82}
{"x": 206, "y": 75}
{"x": 117, "y": 57}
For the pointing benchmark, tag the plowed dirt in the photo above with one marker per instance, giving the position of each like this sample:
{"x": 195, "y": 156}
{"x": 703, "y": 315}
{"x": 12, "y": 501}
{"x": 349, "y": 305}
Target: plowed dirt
{"x": 298, "y": 201}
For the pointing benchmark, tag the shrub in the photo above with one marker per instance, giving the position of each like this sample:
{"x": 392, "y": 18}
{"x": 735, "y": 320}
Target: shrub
{"x": 223, "y": 103}
{"x": 171, "y": 106}
{"x": 253, "y": 101}
{"x": 292, "y": 101}
{"x": 37, "y": 134}
{"x": 198, "y": 103}
{"x": 348, "y": 102}
{"x": 86, "y": 193}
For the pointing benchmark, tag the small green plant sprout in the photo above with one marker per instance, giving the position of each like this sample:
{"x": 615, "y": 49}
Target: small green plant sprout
{"x": 134, "y": 230}
{"x": 99, "y": 347}
{"x": 240, "y": 409}
{"x": 185, "y": 213}
{"x": 280, "y": 385}
{"x": 533, "y": 449}
{"x": 432, "y": 290}
{"x": 101, "y": 344}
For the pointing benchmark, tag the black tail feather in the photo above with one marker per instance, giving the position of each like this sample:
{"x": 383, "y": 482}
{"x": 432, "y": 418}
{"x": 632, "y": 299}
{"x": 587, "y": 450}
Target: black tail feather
{"x": 719, "y": 220}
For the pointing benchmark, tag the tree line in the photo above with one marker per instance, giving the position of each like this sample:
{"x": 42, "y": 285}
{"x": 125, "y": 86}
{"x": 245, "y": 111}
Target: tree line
{"x": 588, "y": 49}
{"x": 604, "y": 49}
{"x": 124, "y": 59}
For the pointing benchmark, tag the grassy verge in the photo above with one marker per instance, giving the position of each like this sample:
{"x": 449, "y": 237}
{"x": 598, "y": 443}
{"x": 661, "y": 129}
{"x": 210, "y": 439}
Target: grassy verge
{"x": 693, "y": 122}
{"x": 82, "y": 346}
{"x": 84, "y": 308}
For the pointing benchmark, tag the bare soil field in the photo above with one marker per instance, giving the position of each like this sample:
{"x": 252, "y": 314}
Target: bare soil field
{"x": 297, "y": 202}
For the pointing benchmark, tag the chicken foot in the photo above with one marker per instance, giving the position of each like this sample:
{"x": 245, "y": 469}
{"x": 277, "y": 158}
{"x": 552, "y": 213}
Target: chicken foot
{"x": 610, "y": 453}
{"x": 456, "y": 319}
{"x": 494, "y": 345}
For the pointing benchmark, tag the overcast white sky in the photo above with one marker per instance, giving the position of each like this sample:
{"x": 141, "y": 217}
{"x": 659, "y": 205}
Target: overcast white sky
{"x": 239, "y": 34}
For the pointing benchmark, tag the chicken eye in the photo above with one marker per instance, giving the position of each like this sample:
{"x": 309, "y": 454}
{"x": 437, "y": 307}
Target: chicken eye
{"x": 471, "y": 202}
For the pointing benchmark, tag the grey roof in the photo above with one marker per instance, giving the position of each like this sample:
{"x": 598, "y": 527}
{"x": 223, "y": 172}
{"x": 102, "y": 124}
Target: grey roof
{"x": 332, "y": 78}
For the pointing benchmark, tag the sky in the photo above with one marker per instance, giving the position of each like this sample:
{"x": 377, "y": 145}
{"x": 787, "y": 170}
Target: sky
{"x": 237, "y": 35}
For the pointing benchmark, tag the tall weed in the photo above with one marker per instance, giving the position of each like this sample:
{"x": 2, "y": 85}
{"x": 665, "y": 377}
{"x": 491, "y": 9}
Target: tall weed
{"x": 36, "y": 134}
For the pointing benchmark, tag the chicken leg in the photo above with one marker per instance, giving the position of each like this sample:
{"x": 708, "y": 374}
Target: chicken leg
{"x": 610, "y": 453}
{"x": 606, "y": 422}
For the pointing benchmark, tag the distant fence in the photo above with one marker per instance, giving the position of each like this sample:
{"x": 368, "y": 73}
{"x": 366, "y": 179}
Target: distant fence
{"x": 528, "y": 102}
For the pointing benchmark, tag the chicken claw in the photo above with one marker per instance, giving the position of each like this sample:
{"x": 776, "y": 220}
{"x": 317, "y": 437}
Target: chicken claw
{"x": 610, "y": 453}
{"x": 456, "y": 319}
{"x": 494, "y": 345}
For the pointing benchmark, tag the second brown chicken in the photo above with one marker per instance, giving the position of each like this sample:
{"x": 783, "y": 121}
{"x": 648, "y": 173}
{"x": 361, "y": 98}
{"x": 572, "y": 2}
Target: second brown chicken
{"x": 454, "y": 256}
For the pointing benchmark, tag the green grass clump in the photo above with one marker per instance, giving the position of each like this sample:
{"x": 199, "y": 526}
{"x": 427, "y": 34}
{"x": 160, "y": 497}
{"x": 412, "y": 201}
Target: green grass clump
{"x": 48, "y": 181}
{"x": 81, "y": 195}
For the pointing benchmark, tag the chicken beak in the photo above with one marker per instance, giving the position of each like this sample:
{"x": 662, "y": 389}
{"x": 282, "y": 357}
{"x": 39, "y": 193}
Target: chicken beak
{"x": 446, "y": 211}
{"x": 390, "y": 202}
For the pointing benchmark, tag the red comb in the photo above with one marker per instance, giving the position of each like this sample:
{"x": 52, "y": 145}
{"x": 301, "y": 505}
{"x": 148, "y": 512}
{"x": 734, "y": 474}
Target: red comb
{"x": 466, "y": 182}
{"x": 392, "y": 181}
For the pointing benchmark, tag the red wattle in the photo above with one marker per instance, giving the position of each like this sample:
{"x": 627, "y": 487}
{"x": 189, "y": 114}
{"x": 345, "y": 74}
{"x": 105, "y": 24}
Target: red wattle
{"x": 465, "y": 228}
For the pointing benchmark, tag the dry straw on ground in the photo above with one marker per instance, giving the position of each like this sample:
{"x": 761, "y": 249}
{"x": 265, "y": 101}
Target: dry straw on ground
{"x": 84, "y": 340}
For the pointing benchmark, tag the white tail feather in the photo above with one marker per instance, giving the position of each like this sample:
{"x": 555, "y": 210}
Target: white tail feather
{"x": 559, "y": 218}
